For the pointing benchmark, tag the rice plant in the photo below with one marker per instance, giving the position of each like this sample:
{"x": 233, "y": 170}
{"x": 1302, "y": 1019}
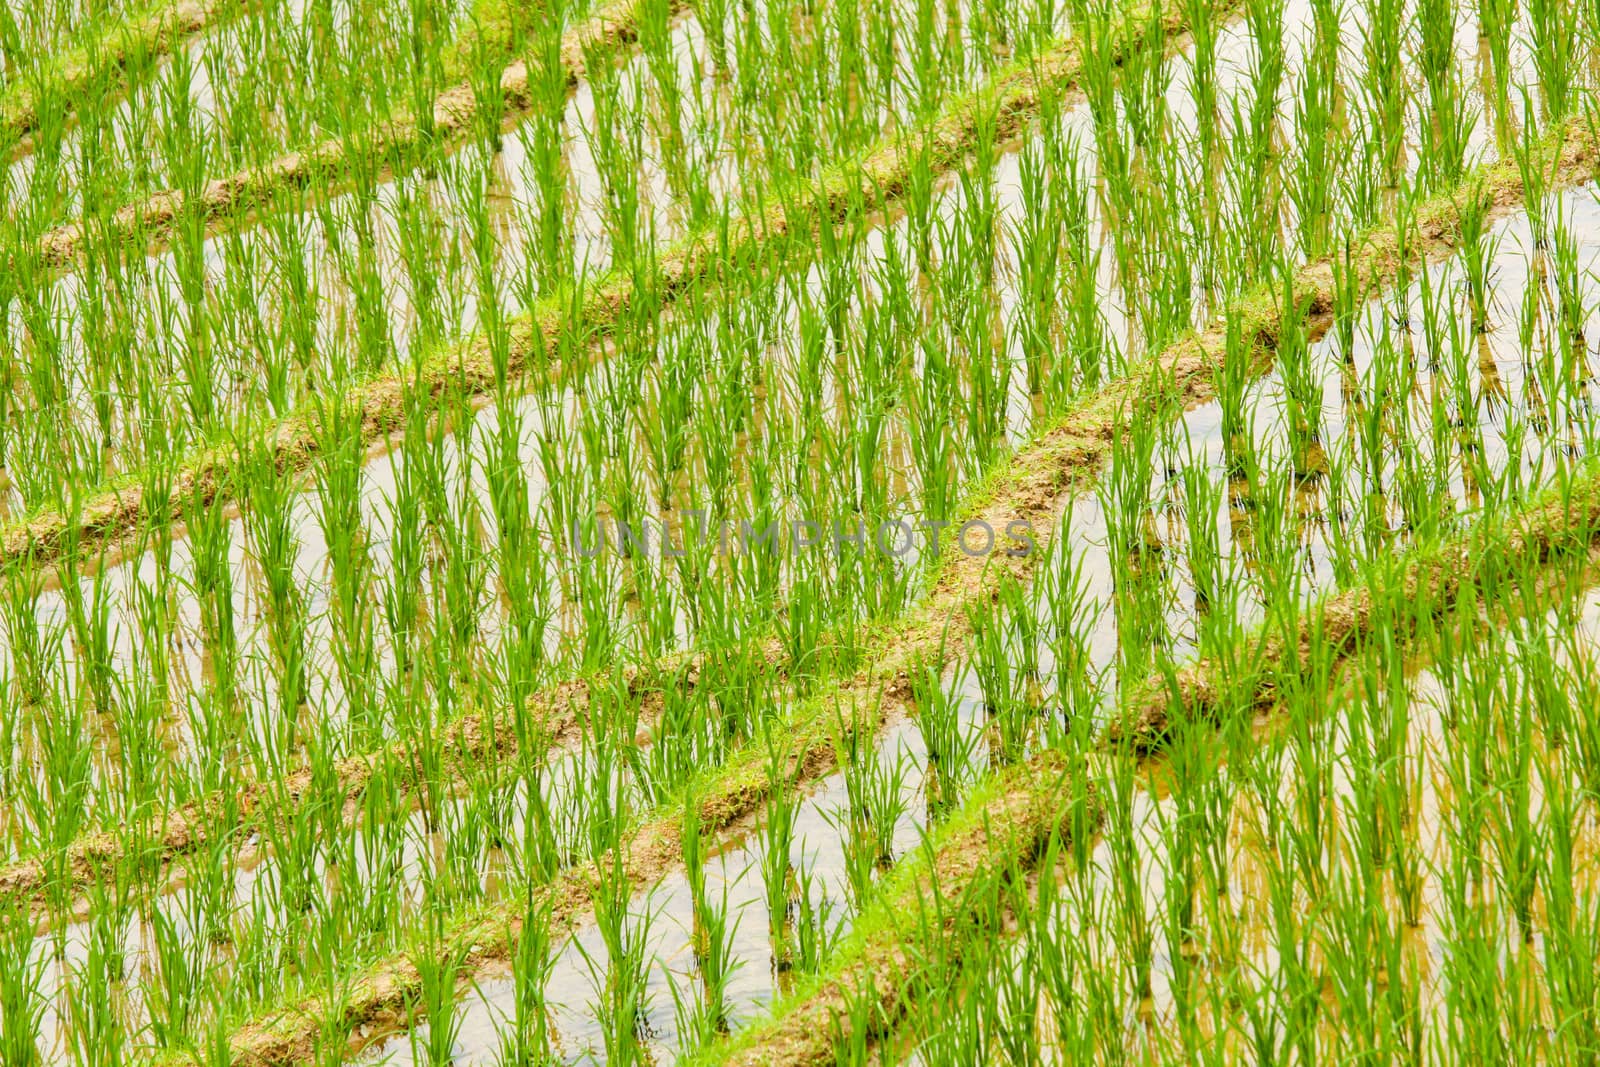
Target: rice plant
{"x": 798, "y": 531}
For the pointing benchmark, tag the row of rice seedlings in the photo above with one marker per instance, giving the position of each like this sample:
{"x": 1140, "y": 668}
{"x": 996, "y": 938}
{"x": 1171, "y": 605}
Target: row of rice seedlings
{"x": 685, "y": 960}
{"x": 288, "y": 636}
{"x": 346, "y": 569}
{"x": 280, "y": 77}
{"x": 628, "y": 954}
{"x": 62, "y": 52}
{"x": 1287, "y": 483}
{"x": 1127, "y": 879}
{"x": 285, "y": 615}
{"x": 981, "y": 447}
{"x": 800, "y": 747}
{"x": 1164, "y": 940}
{"x": 951, "y": 901}
{"x": 356, "y": 288}
{"x": 539, "y": 335}
{"x": 657, "y": 748}
{"x": 1408, "y": 877}
{"x": 30, "y": 34}
{"x": 287, "y": 594}
{"x": 888, "y": 794}
{"x": 207, "y": 402}
{"x": 678, "y": 113}
{"x": 1127, "y": 578}
{"x": 266, "y": 524}
{"x": 632, "y": 955}
{"x": 495, "y": 90}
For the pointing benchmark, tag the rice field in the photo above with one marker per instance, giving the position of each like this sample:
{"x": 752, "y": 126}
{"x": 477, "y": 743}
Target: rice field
{"x": 799, "y": 532}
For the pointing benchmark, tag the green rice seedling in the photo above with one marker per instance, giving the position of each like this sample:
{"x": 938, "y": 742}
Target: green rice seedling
{"x": 96, "y": 1032}
{"x": 1386, "y": 92}
{"x": 1071, "y": 614}
{"x": 682, "y": 739}
{"x": 1203, "y": 91}
{"x": 620, "y": 980}
{"x": 174, "y": 996}
{"x": 350, "y": 565}
{"x": 1145, "y": 81}
{"x": 777, "y": 873}
{"x": 439, "y": 969}
{"x": 1571, "y": 310}
{"x": 89, "y": 617}
{"x": 1255, "y": 135}
{"x": 21, "y": 1007}
{"x": 1137, "y": 563}
{"x": 878, "y": 800}
{"x": 1209, "y": 571}
{"x": 55, "y": 794}
{"x": 816, "y": 934}
{"x": 528, "y": 1042}
{"x": 947, "y": 745}
{"x": 33, "y": 647}
{"x": 1128, "y": 891}
{"x": 1302, "y": 389}
{"x": 1445, "y": 129}
{"x": 1237, "y": 442}
{"x": 1315, "y": 131}
{"x": 604, "y": 761}
{"x": 1555, "y": 34}
{"x": 701, "y": 1020}
{"x": 1513, "y": 836}
{"x": 1084, "y": 329}
{"x": 617, "y": 143}
{"x": 1001, "y": 682}
{"x": 1479, "y": 251}
{"x": 269, "y": 524}
{"x": 854, "y": 1025}
{"x": 1570, "y": 921}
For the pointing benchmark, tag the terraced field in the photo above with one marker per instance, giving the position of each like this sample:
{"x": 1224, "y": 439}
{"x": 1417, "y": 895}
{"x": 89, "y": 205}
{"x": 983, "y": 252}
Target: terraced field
{"x": 799, "y": 532}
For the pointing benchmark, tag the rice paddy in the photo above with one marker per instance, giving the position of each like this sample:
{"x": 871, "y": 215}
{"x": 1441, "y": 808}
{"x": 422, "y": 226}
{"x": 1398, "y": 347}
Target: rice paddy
{"x": 799, "y": 532}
